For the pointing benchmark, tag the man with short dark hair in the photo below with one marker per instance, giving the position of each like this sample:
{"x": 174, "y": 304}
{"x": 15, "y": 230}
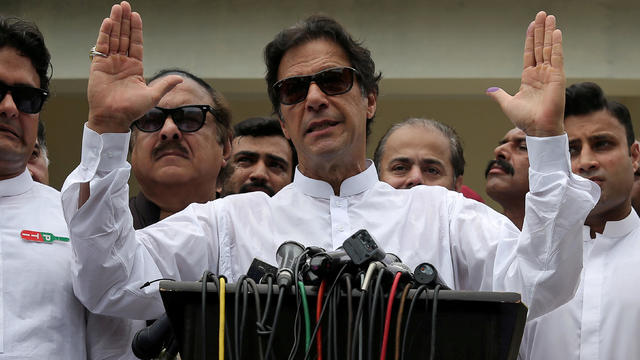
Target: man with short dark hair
{"x": 323, "y": 86}
{"x": 40, "y": 317}
{"x": 38, "y": 164}
{"x": 508, "y": 175}
{"x": 178, "y": 148}
{"x": 262, "y": 159}
{"x": 420, "y": 152}
{"x": 601, "y": 321}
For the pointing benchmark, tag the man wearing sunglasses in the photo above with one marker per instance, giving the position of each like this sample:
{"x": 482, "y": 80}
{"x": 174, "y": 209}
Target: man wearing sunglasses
{"x": 324, "y": 88}
{"x": 178, "y": 149}
{"x": 40, "y": 317}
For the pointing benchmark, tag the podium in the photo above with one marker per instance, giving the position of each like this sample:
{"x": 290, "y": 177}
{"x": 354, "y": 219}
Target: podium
{"x": 470, "y": 324}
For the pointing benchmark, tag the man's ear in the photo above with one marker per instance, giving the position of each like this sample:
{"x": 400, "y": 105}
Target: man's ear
{"x": 226, "y": 151}
{"x": 372, "y": 103}
{"x": 458, "y": 183}
{"x": 635, "y": 155}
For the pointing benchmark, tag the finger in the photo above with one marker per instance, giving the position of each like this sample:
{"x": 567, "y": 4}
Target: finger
{"x": 162, "y": 86}
{"x": 135, "y": 46}
{"x": 500, "y": 96}
{"x": 549, "y": 27}
{"x": 114, "y": 38}
{"x": 125, "y": 28}
{"x": 528, "y": 58}
{"x": 102, "y": 43}
{"x": 538, "y": 36}
{"x": 557, "y": 57}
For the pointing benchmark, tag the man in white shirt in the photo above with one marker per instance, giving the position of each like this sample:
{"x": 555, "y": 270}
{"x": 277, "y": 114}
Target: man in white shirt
{"x": 601, "y": 321}
{"x": 508, "y": 175}
{"x": 40, "y": 318}
{"x": 323, "y": 86}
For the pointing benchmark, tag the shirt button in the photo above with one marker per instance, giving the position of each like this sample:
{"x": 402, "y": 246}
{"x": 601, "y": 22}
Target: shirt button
{"x": 340, "y": 228}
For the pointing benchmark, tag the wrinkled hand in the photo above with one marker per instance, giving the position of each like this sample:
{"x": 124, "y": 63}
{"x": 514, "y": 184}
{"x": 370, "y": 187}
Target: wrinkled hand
{"x": 538, "y": 107}
{"x": 117, "y": 92}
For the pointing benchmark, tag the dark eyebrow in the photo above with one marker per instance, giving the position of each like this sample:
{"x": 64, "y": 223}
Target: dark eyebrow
{"x": 400, "y": 159}
{"x": 250, "y": 154}
{"x": 598, "y": 137}
{"x": 430, "y": 161}
{"x": 277, "y": 158}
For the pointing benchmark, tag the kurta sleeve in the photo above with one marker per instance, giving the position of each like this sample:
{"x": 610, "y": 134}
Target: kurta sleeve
{"x": 111, "y": 260}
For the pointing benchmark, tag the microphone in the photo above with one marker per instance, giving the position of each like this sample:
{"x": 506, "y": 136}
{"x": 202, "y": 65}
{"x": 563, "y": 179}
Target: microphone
{"x": 286, "y": 256}
{"x": 426, "y": 274}
{"x": 148, "y": 342}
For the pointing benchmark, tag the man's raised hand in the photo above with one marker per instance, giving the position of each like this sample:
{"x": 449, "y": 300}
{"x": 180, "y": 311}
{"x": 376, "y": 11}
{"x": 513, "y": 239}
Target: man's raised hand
{"x": 117, "y": 92}
{"x": 538, "y": 107}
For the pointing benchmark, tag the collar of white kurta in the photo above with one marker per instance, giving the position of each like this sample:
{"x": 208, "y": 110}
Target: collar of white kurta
{"x": 16, "y": 185}
{"x": 621, "y": 228}
{"x": 351, "y": 186}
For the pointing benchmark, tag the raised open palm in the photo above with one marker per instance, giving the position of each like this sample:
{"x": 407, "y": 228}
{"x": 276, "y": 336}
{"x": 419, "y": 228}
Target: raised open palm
{"x": 117, "y": 92}
{"x": 538, "y": 107}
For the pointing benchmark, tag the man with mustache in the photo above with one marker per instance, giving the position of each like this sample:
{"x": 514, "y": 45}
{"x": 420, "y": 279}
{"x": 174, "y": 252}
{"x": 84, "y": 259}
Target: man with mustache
{"x": 178, "y": 149}
{"x": 508, "y": 175}
{"x": 323, "y": 86}
{"x": 262, "y": 159}
{"x": 601, "y": 321}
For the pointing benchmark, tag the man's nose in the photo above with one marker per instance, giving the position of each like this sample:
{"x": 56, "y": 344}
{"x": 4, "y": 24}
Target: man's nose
{"x": 502, "y": 152}
{"x": 414, "y": 177}
{"x": 170, "y": 131}
{"x": 586, "y": 161}
{"x": 259, "y": 172}
{"x": 8, "y": 106}
{"x": 316, "y": 99}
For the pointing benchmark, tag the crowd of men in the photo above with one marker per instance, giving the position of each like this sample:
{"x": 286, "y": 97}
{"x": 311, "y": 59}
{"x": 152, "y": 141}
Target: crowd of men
{"x": 215, "y": 197}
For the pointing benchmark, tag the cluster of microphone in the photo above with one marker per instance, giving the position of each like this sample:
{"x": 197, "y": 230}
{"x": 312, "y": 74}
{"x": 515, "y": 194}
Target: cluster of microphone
{"x": 359, "y": 261}
{"x": 355, "y": 256}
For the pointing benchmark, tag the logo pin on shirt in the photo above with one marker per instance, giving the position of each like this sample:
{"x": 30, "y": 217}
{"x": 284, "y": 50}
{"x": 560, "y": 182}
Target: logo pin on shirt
{"x": 43, "y": 237}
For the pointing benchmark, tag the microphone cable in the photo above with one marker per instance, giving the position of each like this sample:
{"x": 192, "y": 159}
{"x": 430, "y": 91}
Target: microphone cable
{"x": 297, "y": 328}
{"x": 276, "y": 315}
{"x": 206, "y": 276}
{"x": 222, "y": 319}
{"x": 318, "y": 313}
{"x": 324, "y": 307}
{"x": 307, "y": 318}
{"x": 420, "y": 289}
{"x": 434, "y": 313}
{"x": 372, "y": 312}
{"x": 364, "y": 292}
{"x": 387, "y": 319}
{"x": 256, "y": 296}
{"x": 239, "y": 324}
{"x": 405, "y": 292}
{"x": 347, "y": 280}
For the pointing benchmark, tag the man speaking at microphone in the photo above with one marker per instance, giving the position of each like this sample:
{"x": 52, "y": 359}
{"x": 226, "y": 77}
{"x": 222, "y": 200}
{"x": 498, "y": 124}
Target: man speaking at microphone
{"x": 324, "y": 88}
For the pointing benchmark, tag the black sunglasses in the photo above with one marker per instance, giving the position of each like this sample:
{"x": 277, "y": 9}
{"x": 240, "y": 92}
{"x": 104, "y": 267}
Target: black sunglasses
{"x": 188, "y": 118}
{"x": 27, "y": 99}
{"x": 334, "y": 81}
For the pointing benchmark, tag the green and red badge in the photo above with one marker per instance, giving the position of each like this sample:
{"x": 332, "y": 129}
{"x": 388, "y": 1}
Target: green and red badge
{"x": 43, "y": 237}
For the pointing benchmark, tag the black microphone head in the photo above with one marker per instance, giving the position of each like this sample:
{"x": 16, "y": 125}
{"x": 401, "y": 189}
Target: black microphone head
{"x": 426, "y": 274}
{"x": 285, "y": 256}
